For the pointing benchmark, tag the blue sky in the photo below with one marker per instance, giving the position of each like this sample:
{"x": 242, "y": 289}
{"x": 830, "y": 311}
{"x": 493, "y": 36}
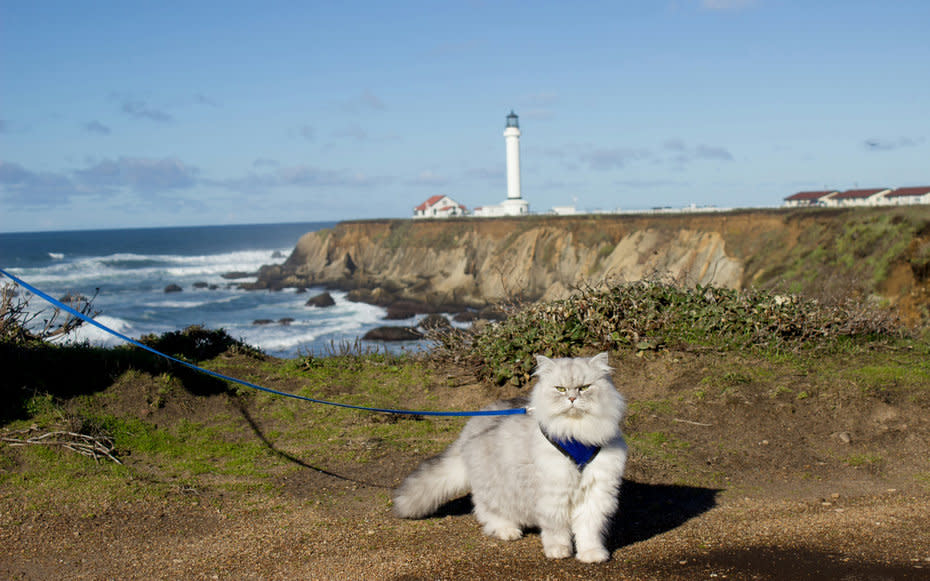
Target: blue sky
{"x": 126, "y": 114}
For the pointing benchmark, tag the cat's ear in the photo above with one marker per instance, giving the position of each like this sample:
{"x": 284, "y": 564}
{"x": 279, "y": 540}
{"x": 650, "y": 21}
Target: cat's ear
{"x": 600, "y": 361}
{"x": 542, "y": 364}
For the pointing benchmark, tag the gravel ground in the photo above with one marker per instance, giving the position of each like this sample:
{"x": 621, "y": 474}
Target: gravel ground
{"x": 334, "y": 529}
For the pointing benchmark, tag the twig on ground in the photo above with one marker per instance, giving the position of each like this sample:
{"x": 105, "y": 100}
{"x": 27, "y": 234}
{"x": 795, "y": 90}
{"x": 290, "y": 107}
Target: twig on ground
{"x": 692, "y": 423}
{"x": 96, "y": 448}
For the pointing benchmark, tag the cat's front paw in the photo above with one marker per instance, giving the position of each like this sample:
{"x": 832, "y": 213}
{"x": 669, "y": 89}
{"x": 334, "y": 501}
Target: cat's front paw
{"x": 596, "y": 555}
{"x": 505, "y": 533}
{"x": 558, "y": 551}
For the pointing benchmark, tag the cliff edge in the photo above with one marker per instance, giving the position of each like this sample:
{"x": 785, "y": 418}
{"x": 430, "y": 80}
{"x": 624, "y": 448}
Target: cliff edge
{"x": 476, "y": 262}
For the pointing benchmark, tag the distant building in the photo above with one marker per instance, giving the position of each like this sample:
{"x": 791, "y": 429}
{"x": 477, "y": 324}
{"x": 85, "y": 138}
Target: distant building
{"x": 812, "y": 198}
{"x": 439, "y": 207}
{"x": 866, "y": 197}
{"x": 908, "y": 196}
{"x": 860, "y": 197}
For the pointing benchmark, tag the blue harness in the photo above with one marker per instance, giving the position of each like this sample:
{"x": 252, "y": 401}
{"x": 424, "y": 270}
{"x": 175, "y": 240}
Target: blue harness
{"x": 580, "y": 454}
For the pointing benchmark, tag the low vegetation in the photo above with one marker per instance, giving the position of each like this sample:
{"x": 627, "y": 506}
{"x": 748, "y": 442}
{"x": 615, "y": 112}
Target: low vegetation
{"x": 653, "y": 315}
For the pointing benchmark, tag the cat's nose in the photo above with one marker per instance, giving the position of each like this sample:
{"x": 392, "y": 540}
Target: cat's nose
{"x": 571, "y": 398}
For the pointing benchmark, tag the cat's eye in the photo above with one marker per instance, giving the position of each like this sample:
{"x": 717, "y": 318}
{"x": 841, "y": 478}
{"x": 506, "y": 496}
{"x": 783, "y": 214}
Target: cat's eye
{"x": 560, "y": 389}
{"x": 583, "y": 387}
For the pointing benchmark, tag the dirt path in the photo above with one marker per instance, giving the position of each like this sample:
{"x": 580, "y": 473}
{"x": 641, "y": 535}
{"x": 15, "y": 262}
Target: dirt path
{"x": 325, "y": 528}
{"x": 772, "y": 474}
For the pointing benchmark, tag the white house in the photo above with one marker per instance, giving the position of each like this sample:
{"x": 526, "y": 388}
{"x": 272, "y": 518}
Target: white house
{"x": 908, "y": 196}
{"x": 868, "y": 197}
{"x": 439, "y": 207}
{"x": 807, "y": 199}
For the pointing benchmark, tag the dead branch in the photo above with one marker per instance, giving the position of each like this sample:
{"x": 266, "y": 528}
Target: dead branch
{"x": 96, "y": 447}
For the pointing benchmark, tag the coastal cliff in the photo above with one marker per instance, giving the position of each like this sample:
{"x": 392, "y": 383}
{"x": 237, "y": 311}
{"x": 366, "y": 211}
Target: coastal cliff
{"x": 476, "y": 262}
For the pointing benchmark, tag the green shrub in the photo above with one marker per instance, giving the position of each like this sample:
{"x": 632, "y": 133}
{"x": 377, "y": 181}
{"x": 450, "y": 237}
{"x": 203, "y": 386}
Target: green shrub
{"x": 196, "y": 343}
{"x": 650, "y": 315}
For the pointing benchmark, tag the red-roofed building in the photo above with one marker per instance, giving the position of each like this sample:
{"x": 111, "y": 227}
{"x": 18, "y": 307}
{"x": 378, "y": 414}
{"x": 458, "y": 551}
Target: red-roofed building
{"x": 817, "y": 198}
{"x": 865, "y": 197}
{"x": 907, "y": 196}
{"x": 439, "y": 207}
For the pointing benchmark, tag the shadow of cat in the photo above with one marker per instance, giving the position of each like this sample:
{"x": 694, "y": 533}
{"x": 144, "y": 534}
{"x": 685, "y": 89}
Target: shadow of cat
{"x": 648, "y": 510}
{"x": 645, "y": 510}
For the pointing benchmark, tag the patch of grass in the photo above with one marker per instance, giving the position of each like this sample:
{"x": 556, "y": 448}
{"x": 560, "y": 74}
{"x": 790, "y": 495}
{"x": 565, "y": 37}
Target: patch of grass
{"x": 45, "y": 477}
{"x": 735, "y": 378}
{"x": 658, "y": 445}
{"x": 41, "y": 404}
{"x": 661, "y": 406}
{"x": 187, "y": 449}
{"x": 781, "y": 390}
{"x": 863, "y": 460}
{"x": 322, "y": 435}
{"x": 887, "y": 379}
{"x": 729, "y": 382}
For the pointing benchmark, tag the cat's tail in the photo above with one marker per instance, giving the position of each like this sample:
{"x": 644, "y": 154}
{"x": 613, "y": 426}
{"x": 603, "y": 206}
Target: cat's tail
{"x": 436, "y": 482}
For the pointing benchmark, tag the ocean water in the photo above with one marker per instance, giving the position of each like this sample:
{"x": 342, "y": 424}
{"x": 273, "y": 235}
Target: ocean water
{"x": 132, "y": 267}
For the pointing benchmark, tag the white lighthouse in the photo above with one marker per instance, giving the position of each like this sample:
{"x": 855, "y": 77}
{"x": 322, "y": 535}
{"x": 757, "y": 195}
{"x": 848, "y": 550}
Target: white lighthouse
{"x": 512, "y": 139}
{"x": 514, "y": 205}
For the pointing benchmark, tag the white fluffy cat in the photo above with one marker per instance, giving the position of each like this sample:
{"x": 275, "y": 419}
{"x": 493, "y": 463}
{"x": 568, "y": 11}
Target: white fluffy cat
{"x": 558, "y": 468}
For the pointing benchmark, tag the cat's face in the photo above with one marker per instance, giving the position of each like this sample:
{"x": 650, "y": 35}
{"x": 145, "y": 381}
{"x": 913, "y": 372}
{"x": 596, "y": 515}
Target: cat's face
{"x": 573, "y": 387}
{"x": 573, "y": 395}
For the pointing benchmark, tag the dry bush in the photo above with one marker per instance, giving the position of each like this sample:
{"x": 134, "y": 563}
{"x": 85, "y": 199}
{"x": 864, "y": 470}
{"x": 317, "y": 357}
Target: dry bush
{"x": 20, "y": 324}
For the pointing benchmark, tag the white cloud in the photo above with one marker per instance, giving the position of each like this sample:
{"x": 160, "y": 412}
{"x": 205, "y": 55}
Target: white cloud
{"x": 22, "y": 187}
{"x": 139, "y": 174}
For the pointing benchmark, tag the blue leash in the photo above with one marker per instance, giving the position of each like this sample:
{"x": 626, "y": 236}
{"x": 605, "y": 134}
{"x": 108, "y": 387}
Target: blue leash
{"x": 60, "y": 305}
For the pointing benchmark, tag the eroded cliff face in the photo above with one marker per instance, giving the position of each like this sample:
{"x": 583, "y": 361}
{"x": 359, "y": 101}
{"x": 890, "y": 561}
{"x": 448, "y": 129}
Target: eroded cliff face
{"x": 476, "y": 262}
